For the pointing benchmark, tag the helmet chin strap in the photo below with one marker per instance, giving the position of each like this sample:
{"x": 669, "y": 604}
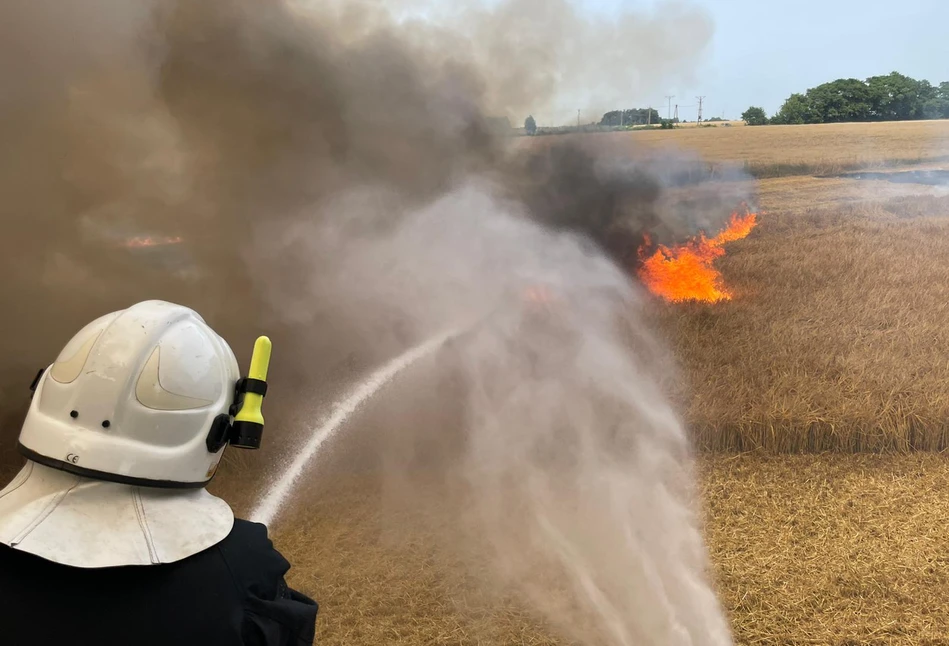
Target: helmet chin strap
{"x": 66, "y": 465}
{"x": 36, "y": 382}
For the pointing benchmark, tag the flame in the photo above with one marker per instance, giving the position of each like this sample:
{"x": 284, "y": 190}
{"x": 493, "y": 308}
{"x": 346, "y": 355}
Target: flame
{"x": 685, "y": 272}
{"x": 538, "y": 295}
{"x": 132, "y": 243}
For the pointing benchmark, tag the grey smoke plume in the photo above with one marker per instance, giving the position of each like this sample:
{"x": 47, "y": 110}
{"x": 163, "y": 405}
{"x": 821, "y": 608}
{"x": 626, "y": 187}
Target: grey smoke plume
{"x": 540, "y": 56}
{"x": 546, "y": 56}
{"x": 564, "y": 455}
{"x": 332, "y": 174}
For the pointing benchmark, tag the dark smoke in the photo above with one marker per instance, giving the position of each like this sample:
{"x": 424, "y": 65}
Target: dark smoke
{"x": 214, "y": 120}
{"x": 332, "y": 171}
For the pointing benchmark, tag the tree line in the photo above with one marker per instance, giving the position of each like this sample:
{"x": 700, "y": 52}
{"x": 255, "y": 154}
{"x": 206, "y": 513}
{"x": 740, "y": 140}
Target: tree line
{"x": 615, "y": 118}
{"x": 631, "y": 117}
{"x": 893, "y": 97}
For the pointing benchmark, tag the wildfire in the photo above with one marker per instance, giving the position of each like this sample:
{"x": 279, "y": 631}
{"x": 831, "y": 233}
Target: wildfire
{"x": 132, "y": 243}
{"x": 685, "y": 272}
{"x": 538, "y": 295}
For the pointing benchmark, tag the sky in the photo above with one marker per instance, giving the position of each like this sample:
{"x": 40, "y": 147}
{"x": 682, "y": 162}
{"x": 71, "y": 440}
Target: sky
{"x": 762, "y": 51}
{"x": 756, "y": 52}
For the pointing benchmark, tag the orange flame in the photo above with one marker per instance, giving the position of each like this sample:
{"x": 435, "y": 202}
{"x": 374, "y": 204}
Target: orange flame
{"x": 538, "y": 295}
{"x": 685, "y": 272}
{"x": 151, "y": 242}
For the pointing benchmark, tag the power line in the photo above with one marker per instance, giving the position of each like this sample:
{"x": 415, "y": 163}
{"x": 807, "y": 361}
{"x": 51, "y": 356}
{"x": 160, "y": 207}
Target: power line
{"x": 669, "y": 99}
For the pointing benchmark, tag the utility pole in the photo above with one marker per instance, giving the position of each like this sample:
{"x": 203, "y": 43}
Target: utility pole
{"x": 669, "y": 110}
{"x": 649, "y": 116}
{"x": 676, "y": 117}
{"x": 700, "y": 98}
{"x": 578, "y": 121}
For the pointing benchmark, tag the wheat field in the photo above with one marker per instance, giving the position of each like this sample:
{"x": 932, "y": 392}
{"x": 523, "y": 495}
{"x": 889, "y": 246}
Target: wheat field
{"x": 780, "y": 151}
{"x": 833, "y": 550}
{"x": 773, "y": 151}
{"x": 835, "y": 348}
{"x": 837, "y": 340}
{"x": 838, "y": 337}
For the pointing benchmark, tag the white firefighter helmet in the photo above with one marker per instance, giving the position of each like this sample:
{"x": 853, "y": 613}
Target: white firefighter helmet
{"x": 117, "y": 442}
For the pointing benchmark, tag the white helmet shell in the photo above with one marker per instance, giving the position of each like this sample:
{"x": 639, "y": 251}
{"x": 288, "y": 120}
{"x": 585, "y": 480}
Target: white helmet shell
{"x": 132, "y": 398}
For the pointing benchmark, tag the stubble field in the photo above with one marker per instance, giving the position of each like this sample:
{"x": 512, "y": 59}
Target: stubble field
{"x": 837, "y": 341}
{"x": 836, "y": 550}
{"x": 777, "y": 151}
{"x": 837, "y": 338}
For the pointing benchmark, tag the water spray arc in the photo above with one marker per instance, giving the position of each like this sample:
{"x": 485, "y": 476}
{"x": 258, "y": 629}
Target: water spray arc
{"x": 178, "y": 136}
{"x": 277, "y": 495}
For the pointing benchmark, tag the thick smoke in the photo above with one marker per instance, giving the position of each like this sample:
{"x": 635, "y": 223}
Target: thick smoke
{"x": 538, "y": 55}
{"x": 335, "y": 182}
{"x": 544, "y": 57}
{"x": 564, "y": 456}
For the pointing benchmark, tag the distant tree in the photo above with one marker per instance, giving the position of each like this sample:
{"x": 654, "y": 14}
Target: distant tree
{"x": 718, "y": 119}
{"x": 926, "y": 92}
{"x": 896, "y": 97}
{"x": 530, "y": 126}
{"x": 893, "y": 97}
{"x": 937, "y": 106}
{"x": 796, "y": 110}
{"x": 936, "y": 109}
{"x": 633, "y": 117}
{"x": 612, "y": 118}
{"x": 841, "y": 100}
{"x": 754, "y": 116}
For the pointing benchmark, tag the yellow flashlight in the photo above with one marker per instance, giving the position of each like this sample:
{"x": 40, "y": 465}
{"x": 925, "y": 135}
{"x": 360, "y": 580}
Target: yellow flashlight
{"x": 248, "y": 427}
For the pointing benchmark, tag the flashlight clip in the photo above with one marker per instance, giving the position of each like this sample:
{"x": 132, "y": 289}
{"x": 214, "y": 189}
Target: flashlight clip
{"x": 243, "y": 425}
{"x": 242, "y": 435}
{"x": 247, "y": 385}
{"x": 246, "y": 434}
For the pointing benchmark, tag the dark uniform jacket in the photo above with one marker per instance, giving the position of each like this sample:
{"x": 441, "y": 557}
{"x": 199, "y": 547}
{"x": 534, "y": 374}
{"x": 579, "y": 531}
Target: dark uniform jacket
{"x": 232, "y": 594}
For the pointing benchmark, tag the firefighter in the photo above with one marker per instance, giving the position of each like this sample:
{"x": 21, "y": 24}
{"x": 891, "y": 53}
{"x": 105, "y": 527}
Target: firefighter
{"x": 108, "y": 535}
